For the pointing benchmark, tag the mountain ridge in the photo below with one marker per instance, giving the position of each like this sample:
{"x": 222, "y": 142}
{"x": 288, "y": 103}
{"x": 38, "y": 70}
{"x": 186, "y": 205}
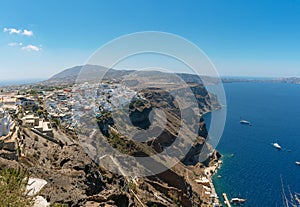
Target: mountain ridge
{"x": 88, "y": 72}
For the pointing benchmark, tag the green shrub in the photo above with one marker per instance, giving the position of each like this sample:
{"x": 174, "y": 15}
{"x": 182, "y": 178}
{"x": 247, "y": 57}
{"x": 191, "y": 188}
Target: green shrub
{"x": 13, "y": 188}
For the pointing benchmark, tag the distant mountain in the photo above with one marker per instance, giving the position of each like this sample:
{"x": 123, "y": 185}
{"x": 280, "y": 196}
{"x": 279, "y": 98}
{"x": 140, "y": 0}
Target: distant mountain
{"x": 86, "y": 73}
{"x": 67, "y": 73}
{"x": 96, "y": 72}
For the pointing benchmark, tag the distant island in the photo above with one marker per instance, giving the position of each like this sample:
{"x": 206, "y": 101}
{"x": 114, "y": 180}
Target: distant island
{"x": 292, "y": 80}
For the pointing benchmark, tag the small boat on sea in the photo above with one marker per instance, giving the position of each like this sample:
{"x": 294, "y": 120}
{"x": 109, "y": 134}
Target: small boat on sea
{"x": 297, "y": 163}
{"x": 237, "y": 200}
{"x": 245, "y": 122}
{"x": 276, "y": 145}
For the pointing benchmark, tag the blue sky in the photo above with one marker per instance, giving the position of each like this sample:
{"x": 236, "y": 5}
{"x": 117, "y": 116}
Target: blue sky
{"x": 241, "y": 37}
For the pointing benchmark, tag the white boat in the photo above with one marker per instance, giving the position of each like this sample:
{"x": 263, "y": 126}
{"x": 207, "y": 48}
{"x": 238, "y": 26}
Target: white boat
{"x": 245, "y": 122}
{"x": 297, "y": 163}
{"x": 277, "y": 146}
{"x": 237, "y": 200}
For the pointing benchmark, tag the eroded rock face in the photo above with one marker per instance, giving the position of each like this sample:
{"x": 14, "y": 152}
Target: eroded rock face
{"x": 71, "y": 174}
{"x": 74, "y": 179}
{"x": 172, "y": 187}
{"x": 113, "y": 197}
{"x": 168, "y": 103}
{"x": 141, "y": 118}
{"x": 5, "y": 163}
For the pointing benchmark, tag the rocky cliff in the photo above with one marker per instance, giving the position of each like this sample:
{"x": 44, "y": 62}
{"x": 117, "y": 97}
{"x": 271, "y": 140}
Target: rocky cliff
{"x": 76, "y": 178}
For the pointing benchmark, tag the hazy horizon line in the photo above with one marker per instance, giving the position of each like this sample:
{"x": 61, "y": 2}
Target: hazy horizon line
{"x": 221, "y": 76}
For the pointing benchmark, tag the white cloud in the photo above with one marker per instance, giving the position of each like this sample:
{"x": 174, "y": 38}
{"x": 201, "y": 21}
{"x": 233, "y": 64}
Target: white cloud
{"x": 31, "y": 48}
{"x": 24, "y": 32}
{"x": 13, "y": 44}
{"x": 27, "y": 32}
{"x": 12, "y": 30}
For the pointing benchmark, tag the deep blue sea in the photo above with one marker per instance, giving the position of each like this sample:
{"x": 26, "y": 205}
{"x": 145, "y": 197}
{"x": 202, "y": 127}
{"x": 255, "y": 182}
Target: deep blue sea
{"x": 255, "y": 169}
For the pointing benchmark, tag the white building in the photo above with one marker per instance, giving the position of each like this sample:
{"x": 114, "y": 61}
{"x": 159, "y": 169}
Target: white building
{"x": 45, "y": 128}
{"x": 5, "y": 123}
{"x": 35, "y": 122}
{"x": 30, "y": 120}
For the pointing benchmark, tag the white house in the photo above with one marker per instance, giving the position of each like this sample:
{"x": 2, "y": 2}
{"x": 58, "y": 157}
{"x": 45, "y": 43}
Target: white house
{"x": 5, "y": 123}
{"x": 45, "y": 128}
{"x": 30, "y": 120}
{"x": 35, "y": 122}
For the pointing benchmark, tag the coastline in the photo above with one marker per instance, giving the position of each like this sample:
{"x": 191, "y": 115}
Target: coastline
{"x": 211, "y": 171}
{"x": 207, "y": 190}
{"x": 213, "y": 167}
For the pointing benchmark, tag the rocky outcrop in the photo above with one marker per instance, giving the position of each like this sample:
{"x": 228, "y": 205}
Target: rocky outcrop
{"x": 5, "y": 163}
{"x": 9, "y": 147}
{"x": 164, "y": 100}
{"x": 70, "y": 173}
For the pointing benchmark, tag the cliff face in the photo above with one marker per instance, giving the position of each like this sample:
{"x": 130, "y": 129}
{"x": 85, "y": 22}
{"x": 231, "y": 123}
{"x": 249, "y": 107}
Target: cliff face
{"x": 157, "y": 98}
{"x": 71, "y": 174}
{"x": 74, "y": 178}
{"x": 176, "y": 185}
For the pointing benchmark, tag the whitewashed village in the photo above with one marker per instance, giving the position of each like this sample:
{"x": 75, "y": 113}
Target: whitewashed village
{"x": 45, "y": 110}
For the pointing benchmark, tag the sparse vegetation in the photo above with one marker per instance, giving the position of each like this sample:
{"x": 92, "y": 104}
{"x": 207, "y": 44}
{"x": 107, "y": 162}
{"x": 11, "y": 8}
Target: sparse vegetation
{"x": 32, "y": 92}
{"x": 40, "y": 112}
{"x": 132, "y": 186}
{"x": 116, "y": 142}
{"x": 13, "y": 188}
{"x": 56, "y": 121}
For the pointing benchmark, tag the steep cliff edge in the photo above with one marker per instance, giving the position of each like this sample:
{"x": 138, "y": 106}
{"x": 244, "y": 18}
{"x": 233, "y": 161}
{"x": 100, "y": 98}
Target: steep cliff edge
{"x": 157, "y": 98}
{"x": 175, "y": 186}
{"x": 76, "y": 178}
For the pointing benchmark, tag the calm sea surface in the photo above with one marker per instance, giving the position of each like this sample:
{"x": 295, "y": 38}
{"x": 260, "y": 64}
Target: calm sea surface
{"x": 255, "y": 169}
